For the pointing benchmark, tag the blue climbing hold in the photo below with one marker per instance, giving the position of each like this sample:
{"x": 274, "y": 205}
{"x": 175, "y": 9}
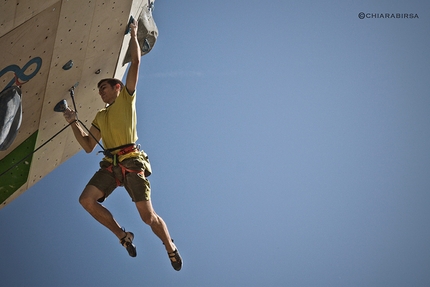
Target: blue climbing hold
{"x": 68, "y": 65}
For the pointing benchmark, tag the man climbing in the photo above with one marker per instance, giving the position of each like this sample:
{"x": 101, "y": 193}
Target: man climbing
{"x": 124, "y": 164}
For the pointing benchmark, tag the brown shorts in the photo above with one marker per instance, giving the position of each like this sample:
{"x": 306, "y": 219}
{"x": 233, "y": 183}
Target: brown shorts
{"x": 136, "y": 184}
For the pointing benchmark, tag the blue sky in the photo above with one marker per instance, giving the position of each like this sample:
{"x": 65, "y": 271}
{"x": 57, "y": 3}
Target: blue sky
{"x": 289, "y": 144}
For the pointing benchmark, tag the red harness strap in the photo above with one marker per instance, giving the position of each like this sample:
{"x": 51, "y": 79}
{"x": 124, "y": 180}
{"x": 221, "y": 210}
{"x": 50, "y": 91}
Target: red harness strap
{"x": 127, "y": 150}
{"x": 124, "y": 170}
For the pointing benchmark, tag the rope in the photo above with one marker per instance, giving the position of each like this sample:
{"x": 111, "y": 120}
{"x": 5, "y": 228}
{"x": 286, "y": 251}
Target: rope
{"x": 105, "y": 151}
{"x": 72, "y": 94}
{"x": 42, "y": 145}
{"x": 30, "y": 154}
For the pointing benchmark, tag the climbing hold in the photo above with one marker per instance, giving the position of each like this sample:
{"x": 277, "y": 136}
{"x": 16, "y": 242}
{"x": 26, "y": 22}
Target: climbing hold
{"x": 68, "y": 65}
{"x": 10, "y": 115}
{"x": 127, "y": 30}
{"x": 150, "y": 5}
{"x": 146, "y": 46}
{"x": 147, "y": 34}
{"x": 61, "y": 106}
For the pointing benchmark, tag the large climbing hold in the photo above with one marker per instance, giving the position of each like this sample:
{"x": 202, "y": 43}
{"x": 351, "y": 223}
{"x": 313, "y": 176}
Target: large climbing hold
{"x": 61, "y": 107}
{"x": 147, "y": 31}
{"x": 10, "y": 115}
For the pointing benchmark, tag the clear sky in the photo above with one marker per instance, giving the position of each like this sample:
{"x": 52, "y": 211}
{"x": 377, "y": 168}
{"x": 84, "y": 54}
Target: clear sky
{"x": 289, "y": 142}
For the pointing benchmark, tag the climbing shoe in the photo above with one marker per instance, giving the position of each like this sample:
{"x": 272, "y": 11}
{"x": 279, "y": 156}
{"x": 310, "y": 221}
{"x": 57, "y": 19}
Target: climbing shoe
{"x": 175, "y": 259}
{"x": 127, "y": 242}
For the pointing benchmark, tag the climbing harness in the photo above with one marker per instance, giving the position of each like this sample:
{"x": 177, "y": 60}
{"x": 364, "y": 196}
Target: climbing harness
{"x": 126, "y": 149}
{"x": 123, "y": 150}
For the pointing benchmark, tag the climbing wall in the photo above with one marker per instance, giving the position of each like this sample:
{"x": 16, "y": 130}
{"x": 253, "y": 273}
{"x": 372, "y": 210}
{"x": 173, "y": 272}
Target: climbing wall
{"x": 48, "y": 47}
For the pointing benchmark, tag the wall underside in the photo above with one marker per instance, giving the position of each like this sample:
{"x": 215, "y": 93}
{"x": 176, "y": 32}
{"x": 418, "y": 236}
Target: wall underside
{"x": 38, "y": 38}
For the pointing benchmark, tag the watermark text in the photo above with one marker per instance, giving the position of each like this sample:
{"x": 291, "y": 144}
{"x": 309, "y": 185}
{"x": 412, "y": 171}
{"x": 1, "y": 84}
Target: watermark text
{"x": 363, "y": 15}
